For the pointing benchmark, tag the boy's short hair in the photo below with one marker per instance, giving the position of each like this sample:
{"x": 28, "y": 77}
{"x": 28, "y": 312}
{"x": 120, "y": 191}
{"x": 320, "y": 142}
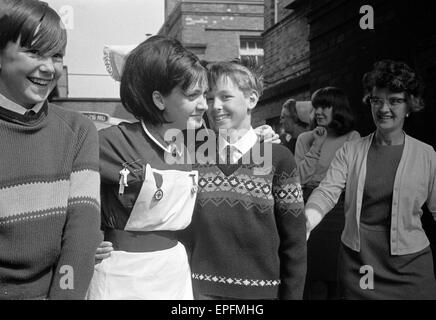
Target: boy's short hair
{"x": 246, "y": 77}
{"x": 37, "y": 26}
{"x": 157, "y": 64}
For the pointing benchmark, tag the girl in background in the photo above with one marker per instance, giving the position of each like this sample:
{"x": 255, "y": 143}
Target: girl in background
{"x": 313, "y": 153}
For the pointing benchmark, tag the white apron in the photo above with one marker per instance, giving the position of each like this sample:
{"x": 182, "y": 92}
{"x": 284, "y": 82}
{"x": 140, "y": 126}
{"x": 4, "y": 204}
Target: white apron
{"x": 156, "y": 275}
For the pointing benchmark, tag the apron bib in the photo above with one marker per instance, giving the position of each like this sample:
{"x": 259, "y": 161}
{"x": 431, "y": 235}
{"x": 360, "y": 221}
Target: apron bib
{"x": 166, "y": 202}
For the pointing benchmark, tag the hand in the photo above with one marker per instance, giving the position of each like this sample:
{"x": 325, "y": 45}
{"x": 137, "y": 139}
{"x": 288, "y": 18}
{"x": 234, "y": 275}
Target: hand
{"x": 313, "y": 218}
{"x": 267, "y": 134}
{"x": 319, "y": 135}
{"x": 103, "y": 251}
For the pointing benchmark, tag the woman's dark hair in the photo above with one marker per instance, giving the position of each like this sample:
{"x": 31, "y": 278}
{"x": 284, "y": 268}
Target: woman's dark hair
{"x": 35, "y": 24}
{"x": 342, "y": 117}
{"x": 157, "y": 64}
{"x": 395, "y": 76}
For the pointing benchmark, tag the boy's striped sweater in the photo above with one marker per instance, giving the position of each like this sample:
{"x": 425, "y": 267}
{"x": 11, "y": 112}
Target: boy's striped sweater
{"x": 247, "y": 238}
{"x": 49, "y": 204}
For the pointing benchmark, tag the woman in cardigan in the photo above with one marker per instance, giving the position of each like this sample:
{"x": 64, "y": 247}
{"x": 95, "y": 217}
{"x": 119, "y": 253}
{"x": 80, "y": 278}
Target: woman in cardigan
{"x": 314, "y": 152}
{"x": 387, "y": 176}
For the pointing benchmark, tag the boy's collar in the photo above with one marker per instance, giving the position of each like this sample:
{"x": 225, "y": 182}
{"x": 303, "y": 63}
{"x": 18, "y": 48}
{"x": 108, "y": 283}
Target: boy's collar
{"x": 15, "y": 107}
{"x": 243, "y": 144}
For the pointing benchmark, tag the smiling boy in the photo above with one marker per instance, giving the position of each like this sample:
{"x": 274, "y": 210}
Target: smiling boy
{"x": 248, "y": 229}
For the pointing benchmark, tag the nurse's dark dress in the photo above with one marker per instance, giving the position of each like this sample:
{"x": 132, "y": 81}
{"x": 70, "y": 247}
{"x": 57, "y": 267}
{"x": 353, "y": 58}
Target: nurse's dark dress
{"x": 147, "y": 262}
{"x": 408, "y": 276}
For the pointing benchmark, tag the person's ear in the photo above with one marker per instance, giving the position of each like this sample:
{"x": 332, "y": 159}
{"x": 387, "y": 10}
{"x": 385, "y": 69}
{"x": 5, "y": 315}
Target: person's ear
{"x": 253, "y": 98}
{"x": 158, "y": 100}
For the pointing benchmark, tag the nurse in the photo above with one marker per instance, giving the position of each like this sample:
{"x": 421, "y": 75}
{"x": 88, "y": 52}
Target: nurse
{"x": 145, "y": 200}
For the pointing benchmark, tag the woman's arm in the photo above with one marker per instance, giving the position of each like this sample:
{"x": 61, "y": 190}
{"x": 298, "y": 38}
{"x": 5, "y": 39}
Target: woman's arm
{"x": 307, "y": 153}
{"x": 326, "y": 195}
{"x": 431, "y": 199}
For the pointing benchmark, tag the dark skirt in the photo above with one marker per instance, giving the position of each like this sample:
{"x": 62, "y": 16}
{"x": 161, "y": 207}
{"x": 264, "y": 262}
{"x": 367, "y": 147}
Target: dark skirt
{"x": 323, "y": 245}
{"x": 405, "y": 277}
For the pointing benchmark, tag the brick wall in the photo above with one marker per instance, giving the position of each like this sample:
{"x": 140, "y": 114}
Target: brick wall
{"x": 341, "y": 52}
{"x": 286, "y": 46}
{"x": 286, "y": 49}
{"x": 211, "y": 29}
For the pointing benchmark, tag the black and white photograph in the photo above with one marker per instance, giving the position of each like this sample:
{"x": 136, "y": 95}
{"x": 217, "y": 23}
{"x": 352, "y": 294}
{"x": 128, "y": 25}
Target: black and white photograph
{"x": 217, "y": 157}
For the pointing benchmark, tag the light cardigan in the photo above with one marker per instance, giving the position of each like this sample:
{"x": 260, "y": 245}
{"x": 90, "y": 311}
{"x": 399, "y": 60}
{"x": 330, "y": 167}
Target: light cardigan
{"x": 414, "y": 185}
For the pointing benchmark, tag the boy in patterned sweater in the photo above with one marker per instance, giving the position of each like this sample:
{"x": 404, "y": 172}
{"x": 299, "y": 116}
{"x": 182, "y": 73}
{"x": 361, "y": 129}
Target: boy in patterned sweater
{"x": 247, "y": 239}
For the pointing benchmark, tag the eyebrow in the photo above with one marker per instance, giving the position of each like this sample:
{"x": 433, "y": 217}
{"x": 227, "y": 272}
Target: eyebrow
{"x": 225, "y": 91}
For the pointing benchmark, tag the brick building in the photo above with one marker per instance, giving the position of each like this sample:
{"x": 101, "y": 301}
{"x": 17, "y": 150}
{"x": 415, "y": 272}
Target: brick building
{"x": 311, "y": 44}
{"x": 286, "y": 57}
{"x": 341, "y": 52}
{"x": 216, "y": 30}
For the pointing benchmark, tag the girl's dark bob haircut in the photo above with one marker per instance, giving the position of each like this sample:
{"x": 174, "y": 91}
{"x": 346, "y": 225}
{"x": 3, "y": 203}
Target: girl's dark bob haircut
{"x": 397, "y": 77}
{"x": 158, "y": 64}
{"x": 37, "y": 26}
{"x": 333, "y": 97}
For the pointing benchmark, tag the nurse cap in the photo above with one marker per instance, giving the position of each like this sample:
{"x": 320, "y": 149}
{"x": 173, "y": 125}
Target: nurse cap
{"x": 114, "y": 57}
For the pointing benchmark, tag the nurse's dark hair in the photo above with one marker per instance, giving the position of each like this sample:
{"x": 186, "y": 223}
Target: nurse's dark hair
{"x": 35, "y": 24}
{"x": 398, "y": 77}
{"x": 158, "y": 64}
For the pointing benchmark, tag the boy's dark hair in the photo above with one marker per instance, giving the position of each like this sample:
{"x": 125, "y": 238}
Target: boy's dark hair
{"x": 397, "y": 77}
{"x": 246, "y": 77}
{"x": 35, "y": 24}
{"x": 342, "y": 117}
{"x": 157, "y": 64}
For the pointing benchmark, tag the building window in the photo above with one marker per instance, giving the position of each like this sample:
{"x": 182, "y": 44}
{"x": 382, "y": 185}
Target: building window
{"x": 251, "y": 48}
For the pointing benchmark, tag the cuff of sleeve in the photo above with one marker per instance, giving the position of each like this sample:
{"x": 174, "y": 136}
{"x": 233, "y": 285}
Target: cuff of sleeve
{"x": 312, "y": 205}
{"x": 315, "y": 152}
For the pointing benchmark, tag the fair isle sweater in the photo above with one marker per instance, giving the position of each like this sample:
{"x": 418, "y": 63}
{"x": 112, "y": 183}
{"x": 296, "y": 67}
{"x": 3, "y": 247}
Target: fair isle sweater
{"x": 49, "y": 204}
{"x": 247, "y": 238}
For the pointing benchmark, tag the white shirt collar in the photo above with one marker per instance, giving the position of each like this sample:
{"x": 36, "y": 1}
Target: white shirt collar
{"x": 15, "y": 107}
{"x": 168, "y": 149}
{"x": 243, "y": 145}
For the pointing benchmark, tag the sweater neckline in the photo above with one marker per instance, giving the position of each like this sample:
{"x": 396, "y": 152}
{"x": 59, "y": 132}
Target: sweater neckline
{"x": 29, "y": 120}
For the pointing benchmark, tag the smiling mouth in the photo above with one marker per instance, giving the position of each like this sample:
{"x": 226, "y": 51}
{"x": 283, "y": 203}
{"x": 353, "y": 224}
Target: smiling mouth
{"x": 40, "y": 82}
{"x": 384, "y": 117}
{"x": 221, "y": 117}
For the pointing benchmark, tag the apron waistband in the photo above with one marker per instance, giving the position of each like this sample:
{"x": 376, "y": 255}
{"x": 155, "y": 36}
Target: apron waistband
{"x": 141, "y": 241}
